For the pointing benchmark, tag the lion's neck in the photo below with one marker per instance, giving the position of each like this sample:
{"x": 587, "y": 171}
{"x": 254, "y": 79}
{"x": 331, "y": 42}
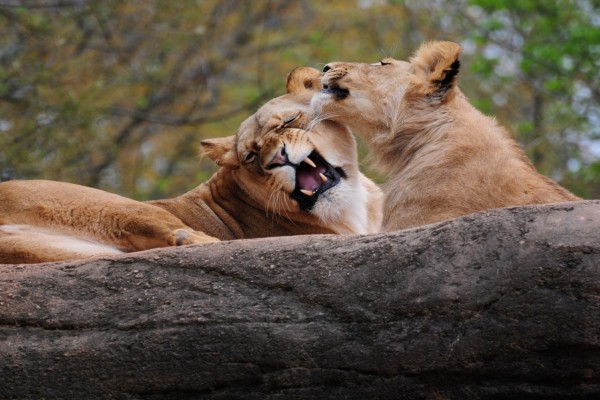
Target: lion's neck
{"x": 220, "y": 208}
{"x": 198, "y": 210}
{"x": 394, "y": 146}
{"x": 417, "y": 132}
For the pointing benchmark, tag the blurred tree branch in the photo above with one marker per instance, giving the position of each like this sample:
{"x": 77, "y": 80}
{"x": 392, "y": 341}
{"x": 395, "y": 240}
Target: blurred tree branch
{"x": 115, "y": 93}
{"x": 187, "y": 118}
{"x": 33, "y": 4}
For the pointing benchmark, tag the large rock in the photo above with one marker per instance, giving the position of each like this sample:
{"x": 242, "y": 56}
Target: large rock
{"x": 500, "y": 304}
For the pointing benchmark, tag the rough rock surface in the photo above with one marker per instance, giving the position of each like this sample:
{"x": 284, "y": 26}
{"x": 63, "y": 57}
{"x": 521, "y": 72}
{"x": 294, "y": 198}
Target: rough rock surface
{"x": 500, "y": 304}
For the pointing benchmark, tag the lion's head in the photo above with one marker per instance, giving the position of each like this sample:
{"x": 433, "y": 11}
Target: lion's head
{"x": 372, "y": 98}
{"x": 293, "y": 167}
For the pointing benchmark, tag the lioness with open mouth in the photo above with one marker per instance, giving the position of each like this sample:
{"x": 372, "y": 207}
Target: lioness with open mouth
{"x": 280, "y": 175}
{"x": 443, "y": 157}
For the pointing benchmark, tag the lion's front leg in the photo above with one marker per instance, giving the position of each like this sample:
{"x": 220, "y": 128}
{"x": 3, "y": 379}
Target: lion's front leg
{"x": 137, "y": 226}
{"x": 48, "y": 221}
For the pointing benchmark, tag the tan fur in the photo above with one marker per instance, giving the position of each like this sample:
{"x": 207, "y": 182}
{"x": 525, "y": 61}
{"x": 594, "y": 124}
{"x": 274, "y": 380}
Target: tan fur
{"x": 39, "y": 221}
{"x": 443, "y": 157}
{"x": 55, "y": 221}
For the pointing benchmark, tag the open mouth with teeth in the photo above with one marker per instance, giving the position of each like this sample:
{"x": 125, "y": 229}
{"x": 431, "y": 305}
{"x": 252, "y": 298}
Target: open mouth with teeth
{"x": 314, "y": 176}
{"x": 336, "y": 91}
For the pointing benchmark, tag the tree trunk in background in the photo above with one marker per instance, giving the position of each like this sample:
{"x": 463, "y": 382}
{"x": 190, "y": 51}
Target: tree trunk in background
{"x": 500, "y": 304}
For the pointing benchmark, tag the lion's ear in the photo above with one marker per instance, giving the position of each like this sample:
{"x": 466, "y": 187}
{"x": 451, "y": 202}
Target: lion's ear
{"x": 302, "y": 79}
{"x": 436, "y": 65}
{"x": 220, "y": 150}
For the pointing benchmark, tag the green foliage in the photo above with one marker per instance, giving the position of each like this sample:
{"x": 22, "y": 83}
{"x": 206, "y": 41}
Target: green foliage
{"x": 117, "y": 94}
{"x": 484, "y": 67}
{"x": 554, "y": 48}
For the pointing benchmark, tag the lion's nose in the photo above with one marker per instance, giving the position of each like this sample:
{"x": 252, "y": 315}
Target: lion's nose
{"x": 326, "y": 68}
{"x": 280, "y": 158}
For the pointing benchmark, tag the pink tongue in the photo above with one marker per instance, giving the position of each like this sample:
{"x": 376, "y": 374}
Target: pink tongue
{"x": 310, "y": 180}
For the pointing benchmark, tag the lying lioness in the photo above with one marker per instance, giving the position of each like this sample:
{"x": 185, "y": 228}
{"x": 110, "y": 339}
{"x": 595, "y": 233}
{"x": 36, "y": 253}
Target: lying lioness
{"x": 278, "y": 176}
{"x": 443, "y": 157}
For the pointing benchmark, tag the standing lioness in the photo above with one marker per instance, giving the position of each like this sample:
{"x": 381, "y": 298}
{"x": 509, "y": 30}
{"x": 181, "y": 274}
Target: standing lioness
{"x": 444, "y": 158}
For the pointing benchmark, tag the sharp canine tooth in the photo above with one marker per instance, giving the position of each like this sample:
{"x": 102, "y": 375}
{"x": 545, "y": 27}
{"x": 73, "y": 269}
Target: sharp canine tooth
{"x": 310, "y": 162}
{"x": 323, "y": 177}
{"x": 307, "y": 192}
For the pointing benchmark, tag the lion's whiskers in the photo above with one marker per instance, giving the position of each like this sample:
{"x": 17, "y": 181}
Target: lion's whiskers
{"x": 272, "y": 203}
{"x": 317, "y": 119}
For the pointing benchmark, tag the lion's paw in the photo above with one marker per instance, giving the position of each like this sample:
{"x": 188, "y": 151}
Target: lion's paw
{"x": 184, "y": 237}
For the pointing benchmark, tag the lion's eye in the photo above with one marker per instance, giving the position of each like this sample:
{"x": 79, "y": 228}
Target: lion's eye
{"x": 290, "y": 119}
{"x": 251, "y": 156}
{"x": 384, "y": 62}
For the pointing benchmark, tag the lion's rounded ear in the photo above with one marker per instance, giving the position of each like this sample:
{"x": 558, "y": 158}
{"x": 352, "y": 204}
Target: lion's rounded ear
{"x": 436, "y": 65}
{"x": 220, "y": 150}
{"x": 302, "y": 79}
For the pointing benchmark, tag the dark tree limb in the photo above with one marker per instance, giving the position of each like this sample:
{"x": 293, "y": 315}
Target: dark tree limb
{"x": 501, "y": 304}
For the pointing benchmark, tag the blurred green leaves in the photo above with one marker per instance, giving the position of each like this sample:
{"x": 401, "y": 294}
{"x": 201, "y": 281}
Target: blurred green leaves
{"x": 117, "y": 94}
